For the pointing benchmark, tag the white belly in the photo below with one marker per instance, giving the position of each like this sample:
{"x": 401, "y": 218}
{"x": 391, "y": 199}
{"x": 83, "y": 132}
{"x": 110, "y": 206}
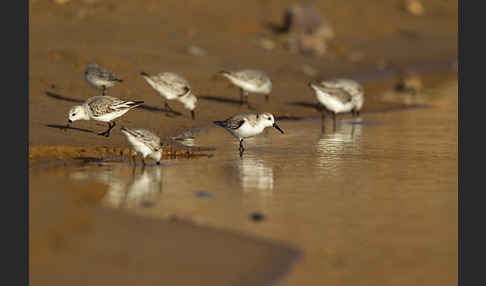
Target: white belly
{"x": 246, "y": 130}
{"x": 162, "y": 89}
{"x": 139, "y": 147}
{"x": 265, "y": 89}
{"x": 110, "y": 116}
{"x": 334, "y": 104}
{"x": 99, "y": 83}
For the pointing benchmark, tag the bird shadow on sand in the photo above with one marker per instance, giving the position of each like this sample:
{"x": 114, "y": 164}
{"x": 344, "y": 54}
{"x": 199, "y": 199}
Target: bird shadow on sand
{"x": 306, "y": 104}
{"x": 60, "y": 97}
{"x": 158, "y": 109}
{"x": 64, "y": 128}
{"x": 220, "y": 99}
{"x": 144, "y": 106}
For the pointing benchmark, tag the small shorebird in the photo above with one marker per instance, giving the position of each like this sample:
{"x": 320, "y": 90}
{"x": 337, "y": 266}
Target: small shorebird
{"x": 100, "y": 77}
{"x": 144, "y": 142}
{"x": 244, "y": 125}
{"x": 249, "y": 80}
{"x": 101, "y": 108}
{"x": 339, "y": 96}
{"x": 170, "y": 85}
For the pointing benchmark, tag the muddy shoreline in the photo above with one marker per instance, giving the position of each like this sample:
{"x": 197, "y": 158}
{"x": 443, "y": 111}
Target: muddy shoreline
{"x": 76, "y": 241}
{"x": 50, "y": 156}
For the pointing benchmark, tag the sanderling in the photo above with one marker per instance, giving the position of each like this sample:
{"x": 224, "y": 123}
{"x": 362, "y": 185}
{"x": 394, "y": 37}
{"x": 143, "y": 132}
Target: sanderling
{"x": 101, "y": 108}
{"x": 144, "y": 142}
{"x": 170, "y": 85}
{"x": 339, "y": 96}
{"x": 244, "y": 125}
{"x": 99, "y": 77}
{"x": 249, "y": 80}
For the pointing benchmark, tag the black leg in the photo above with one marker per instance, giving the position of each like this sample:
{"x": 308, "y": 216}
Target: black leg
{"x": 168, "y": 110}
{"x": 267, "y": 98}
{"x": 134, "y": 165}
{"x": 334, "y": 121}
{"x": 323, "y": 119}
{"x": 241, "y": 149}
{"x": 134, "y": 159}
{"x": 107, "y": 132}
{"x": 166, "y": 106}
{"x": 242, "y": 96}
{"x": 143, "y": 161}
{"x": 104, "y": 90}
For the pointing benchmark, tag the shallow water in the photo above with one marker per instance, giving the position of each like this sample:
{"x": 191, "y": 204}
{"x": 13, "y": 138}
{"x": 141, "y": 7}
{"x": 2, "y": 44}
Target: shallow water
{"x": 372, "y": 203}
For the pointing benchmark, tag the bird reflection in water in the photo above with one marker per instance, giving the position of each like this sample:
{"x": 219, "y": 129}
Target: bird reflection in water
{"x": 255, "y": 173}
{"x": 345, "y": 140}
{"x": 138, "y": 188}
{"x": 144, "y": 188}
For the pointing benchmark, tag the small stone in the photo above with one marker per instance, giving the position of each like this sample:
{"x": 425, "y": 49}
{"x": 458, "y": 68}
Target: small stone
{"x": 147, "y": 204}
{"x": 324, "y": 32}
{"x": 409, "y": 82}
{"x": 196, "y": 51}
{"x": 204, "y": 194}
{"x": 414, "y": 7}
{"x": 302, "y": 19}
{"x": 312, "y": 44}
{"x": 309, "y": 71}
{"x": 257, "y": 217}
{"x": 267, "y": 44}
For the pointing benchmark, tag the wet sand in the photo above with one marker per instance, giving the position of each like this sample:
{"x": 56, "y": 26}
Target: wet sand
{"x": 130, "y": 37}
{"x": 408, "y": 236}
{"x": 73, "y": 242}
{"x": 374, "y": 202}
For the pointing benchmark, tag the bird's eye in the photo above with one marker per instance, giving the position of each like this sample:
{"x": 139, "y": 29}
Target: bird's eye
{"x": 269, "y": 118}
{"x": 73, "y": 114}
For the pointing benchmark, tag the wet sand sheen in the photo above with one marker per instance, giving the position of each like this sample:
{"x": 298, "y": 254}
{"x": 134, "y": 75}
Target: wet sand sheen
{"x": 371, "y": 204}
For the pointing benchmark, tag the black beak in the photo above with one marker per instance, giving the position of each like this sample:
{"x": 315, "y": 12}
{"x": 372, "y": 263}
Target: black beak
{"x": 278, "y": 128}
{"x": 193, "y": 115}
{"x": 158, "y": 163}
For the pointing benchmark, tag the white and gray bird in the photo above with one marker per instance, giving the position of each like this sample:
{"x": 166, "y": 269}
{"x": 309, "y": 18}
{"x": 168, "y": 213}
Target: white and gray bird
{"x": 171, "y": 86}
{"x": 244, "y": 125}
{"x": 339, "y": 96}
{"x": 144, "y": 142}
{"x": 100, "y": 77}
{"x": 249, "y": 80}
{"x": 101, "y": 108}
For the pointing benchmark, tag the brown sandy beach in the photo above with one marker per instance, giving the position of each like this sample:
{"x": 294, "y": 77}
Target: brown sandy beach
{"x": 130, "y": 37}
{"x": 152, "y": 36}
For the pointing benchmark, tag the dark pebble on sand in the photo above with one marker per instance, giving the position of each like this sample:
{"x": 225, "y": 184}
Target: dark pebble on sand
{"x": 147, "y": 204}
{"x": 204, "y": 194}
{"x": 257, "y": 217}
